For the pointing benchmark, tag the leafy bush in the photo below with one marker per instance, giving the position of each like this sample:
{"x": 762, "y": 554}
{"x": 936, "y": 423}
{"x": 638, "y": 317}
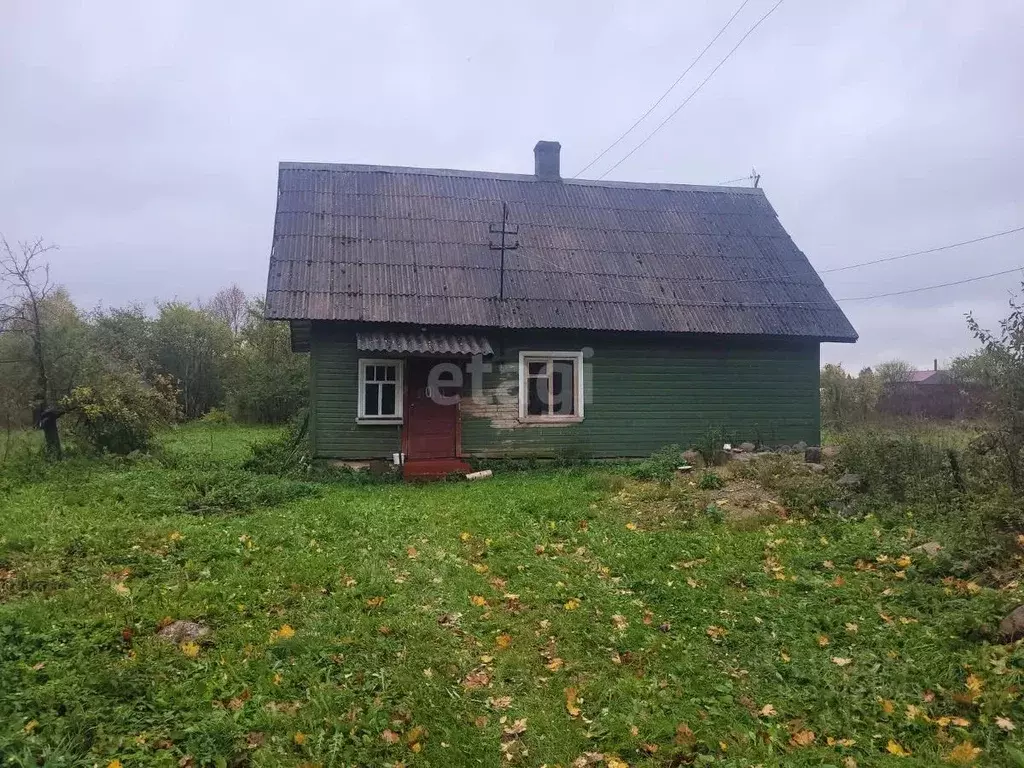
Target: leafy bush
{"x": 217, "y": 417}
{"x": 899, "y": 466}
{"x": 661, "y": 465}
{"x": 121, "y": 412}
{"x": 709, "y": 481}
{"x": 995, "y": 378}
{"x": 287, "y": 454}
{"x": 710, "y": 446}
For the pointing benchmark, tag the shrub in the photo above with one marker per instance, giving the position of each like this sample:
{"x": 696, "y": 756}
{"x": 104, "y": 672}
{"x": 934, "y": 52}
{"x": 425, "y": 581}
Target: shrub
{"x": 661, "y": 465}
{"x": 710, "y": 446}
{"x": 709, "y": 481}
{"x": 121, "y": 412}
{"x": 899, "y": 466}
{"x": 217, "y": 417}
{"x": 287, "y": 454}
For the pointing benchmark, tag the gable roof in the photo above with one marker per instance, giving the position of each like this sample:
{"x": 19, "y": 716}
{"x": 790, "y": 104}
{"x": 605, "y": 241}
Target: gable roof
{"x": 411, "y": 245}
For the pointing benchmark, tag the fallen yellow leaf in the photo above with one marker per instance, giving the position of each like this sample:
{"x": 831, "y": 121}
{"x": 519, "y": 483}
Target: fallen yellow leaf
{"x": 285, "y": 632}
{"x": 841, "y": 662}
{"x": 115, "y": 763}
{"x": 478, "y": 600}
{"x": 190, "y": 649}
{"x": 631, "y": 526}
{"x": 823, "y": 640}
{"x": 465, "y": 536}
{"x": 299, "y": 738}
{"x": 963, "y": 753}
{"x": 904, "y": 561}
{"x": 614, "y": 762}
{"x": 571, "y": 702}
{"x": 554, "y": 665}
{"x": 887, "y": 706}
{"x": 839, "y": 742}
{"x": 974, "y": 685}
{"x": 802, "y": 738}
{"x": 30, "y": 726}
{"x": 895, "y": 749}
{"x": 503, "y": 640}
{"x": 767, "y": 711}
{"x": 716, "y": 632}
{"x": 572, "y": 604}
{"x": 1005, "y": 724}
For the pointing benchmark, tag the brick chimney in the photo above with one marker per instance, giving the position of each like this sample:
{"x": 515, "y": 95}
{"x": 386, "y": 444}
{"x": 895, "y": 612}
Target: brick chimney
{"x": 546, "y": 161}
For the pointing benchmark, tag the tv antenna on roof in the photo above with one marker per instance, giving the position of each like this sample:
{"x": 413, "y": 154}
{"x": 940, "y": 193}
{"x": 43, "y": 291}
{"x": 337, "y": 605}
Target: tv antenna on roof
{"x": 503, "y": 245}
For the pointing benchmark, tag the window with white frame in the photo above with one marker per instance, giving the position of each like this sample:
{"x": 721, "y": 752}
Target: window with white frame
{"x": 551, "y": 386}
{"x": 380, "y": 391}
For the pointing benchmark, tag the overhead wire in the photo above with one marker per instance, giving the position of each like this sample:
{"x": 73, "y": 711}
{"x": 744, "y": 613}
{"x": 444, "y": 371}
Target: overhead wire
{"x": 695, "y": 91}
{"x": 663, "y": 96}
{"x": 933, "y": 287}
{"x": 921, "y": 253}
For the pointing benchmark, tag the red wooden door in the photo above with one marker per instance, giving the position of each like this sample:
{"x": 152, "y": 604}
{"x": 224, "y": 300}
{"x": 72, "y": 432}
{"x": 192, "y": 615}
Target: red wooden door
{"x": 431, "y": 427}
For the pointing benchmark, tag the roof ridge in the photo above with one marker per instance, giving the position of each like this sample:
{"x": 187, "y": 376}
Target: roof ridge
{"x": 287, "y": 165}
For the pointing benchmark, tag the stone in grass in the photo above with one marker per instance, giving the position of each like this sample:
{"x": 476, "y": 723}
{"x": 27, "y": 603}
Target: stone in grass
{"x": 800, "y": 447}
{"x": 747, "y": 447}
{"x": 814, "y": 467}
{"x": 929, "y": 548}
{"x": 784, "y": 449}
{"x": 812, "y": 455}
{"x": 181, "y": 631}
{"x": 1011, "y": 628}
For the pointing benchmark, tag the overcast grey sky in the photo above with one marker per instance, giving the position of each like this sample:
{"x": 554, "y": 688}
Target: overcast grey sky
{"x": 143, "y": 138}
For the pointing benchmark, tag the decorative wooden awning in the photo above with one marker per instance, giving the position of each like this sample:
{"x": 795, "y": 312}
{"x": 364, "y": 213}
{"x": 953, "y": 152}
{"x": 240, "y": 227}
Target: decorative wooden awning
{"x": 408, "y": 343}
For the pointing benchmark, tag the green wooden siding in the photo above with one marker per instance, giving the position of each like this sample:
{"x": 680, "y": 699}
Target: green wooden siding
{"x": 334, "y": 396}
{"x": 642, "y": 392}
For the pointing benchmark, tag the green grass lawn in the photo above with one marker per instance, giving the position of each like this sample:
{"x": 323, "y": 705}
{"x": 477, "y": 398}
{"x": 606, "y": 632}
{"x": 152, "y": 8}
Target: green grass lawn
{"x": 527, "y": 620}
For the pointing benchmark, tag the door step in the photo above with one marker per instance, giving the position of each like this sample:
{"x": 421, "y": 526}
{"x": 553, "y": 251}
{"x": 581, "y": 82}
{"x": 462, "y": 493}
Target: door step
{"x": 433, "y": 469}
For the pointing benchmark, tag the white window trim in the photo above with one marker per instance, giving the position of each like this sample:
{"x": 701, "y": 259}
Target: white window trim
{"x": 577, "y": 358}
{"x": 361, "y": 417}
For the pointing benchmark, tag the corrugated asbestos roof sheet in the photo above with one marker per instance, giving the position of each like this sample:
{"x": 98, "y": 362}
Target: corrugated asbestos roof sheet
{"x": 423, "y": 343}
{"x": 410, "y": 245}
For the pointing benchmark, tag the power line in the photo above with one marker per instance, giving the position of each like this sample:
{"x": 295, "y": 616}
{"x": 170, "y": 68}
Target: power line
{"x": 732, "y": 181}
{"x": 661, "y": 98}
{"x": 694, "y": 91}
{"x": 921, "y": 253}
{"x": 932, "y": 287}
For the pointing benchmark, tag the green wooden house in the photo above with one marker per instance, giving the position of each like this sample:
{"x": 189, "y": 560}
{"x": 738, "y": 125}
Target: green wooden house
{"x": 456, "y": 314}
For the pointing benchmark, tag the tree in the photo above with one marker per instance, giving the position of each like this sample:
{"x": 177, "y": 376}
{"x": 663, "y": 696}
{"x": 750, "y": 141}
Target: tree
{"x": 996, "y": 375}
{"x": 195, "y": 348}
{"x": 838, "y": 400}
{"x": 229, "y": 305}
{"x": 270, "y": 382}
{"x": 25, "y": 280}
{"x": 892, "y": 374}
{"x": 867, "y": 391}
